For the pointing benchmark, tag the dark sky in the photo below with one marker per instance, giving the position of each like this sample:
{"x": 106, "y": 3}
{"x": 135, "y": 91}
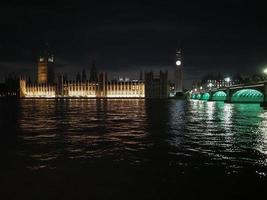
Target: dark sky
{"x": 126, "y": 36}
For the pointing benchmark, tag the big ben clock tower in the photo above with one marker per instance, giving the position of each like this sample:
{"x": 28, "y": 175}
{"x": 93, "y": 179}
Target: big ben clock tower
{"x": 46, "y": 67}
{"x": 178, "y": 79}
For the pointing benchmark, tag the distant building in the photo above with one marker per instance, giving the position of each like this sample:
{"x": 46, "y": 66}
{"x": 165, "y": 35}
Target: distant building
{"x": 156, "y": 86}
{"x": 210, "y": 81}
{"x": 46, "y": 67}
{"x": 178, "y": 75}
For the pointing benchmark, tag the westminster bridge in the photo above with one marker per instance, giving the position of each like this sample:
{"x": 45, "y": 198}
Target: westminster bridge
{"x": 242, "y": 93}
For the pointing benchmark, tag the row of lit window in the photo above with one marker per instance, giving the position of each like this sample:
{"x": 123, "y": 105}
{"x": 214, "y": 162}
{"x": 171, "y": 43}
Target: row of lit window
{"x": 125, "y": 92}
{"x": 40, "y": 90}
{"x": 81, "y": 93}
{"x": 123, "y": 87}
{"x": 79, "y": 88}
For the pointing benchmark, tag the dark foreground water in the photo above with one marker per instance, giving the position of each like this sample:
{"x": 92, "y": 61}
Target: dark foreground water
{"x": 132, "y": 149}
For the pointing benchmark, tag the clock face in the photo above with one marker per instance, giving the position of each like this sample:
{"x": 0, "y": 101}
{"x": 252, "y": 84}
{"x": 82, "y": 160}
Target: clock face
{"x": 50, "y": 59}
{"x": 178, "y": 62}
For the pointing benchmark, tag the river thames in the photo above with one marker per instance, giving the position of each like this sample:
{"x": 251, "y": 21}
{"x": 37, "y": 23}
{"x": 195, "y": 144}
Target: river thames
{"x": 132, "y": 149}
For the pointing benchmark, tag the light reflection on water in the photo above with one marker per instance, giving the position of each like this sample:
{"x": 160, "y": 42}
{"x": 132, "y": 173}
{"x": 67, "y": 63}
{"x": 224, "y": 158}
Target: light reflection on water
{"x": 81, "y": 129}
{"x": 194, "y": 133}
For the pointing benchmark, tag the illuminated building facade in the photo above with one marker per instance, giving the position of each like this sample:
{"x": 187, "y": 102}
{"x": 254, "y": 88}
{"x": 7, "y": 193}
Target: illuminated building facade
{"x": 39, "y": 90}
{"x": 129, "y": 89}
{"x": 83, "y": 89}
{"x": 98, "y": 85}
{"x": 210, "y": 81}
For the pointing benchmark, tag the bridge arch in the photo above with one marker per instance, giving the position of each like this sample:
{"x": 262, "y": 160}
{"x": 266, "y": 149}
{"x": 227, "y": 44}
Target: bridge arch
{"x": 248, "y": 95}
{"x": 194, "y": 96}
{"x": 219, "y": 96}
{"x": 198, "y": 96}
{"x": 205, "y": 96}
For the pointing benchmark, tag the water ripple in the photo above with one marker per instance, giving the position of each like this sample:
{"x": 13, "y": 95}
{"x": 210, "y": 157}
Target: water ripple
{"x": 194, "y": 133}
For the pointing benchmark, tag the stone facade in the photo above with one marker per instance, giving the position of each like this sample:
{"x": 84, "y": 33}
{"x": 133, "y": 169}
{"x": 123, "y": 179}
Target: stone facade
{"x": 86, "y": 89}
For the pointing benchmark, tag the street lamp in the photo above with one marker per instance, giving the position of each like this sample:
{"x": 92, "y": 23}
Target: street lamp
{"x": 210, "y": 85}
{"x": 228, "y": 79}
{"x": 265, "y": 73}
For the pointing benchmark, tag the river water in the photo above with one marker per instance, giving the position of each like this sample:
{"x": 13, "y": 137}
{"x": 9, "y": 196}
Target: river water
{"x": 132, "y": 149}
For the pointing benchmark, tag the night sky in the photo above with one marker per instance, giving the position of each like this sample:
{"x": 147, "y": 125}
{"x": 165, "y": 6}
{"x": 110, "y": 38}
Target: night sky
{"x": 127, "y": 36}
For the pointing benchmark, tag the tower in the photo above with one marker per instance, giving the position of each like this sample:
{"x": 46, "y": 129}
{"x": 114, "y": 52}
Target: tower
{"x": 22, "y": 87}
{"x": 84, "y": 75}
{"x": 46, "y": 67}
{"x": 78, "y": 77}
{"x": 93, "y": 73}
{"x": 141, "y": 76}
{"x": 178, "y": 79}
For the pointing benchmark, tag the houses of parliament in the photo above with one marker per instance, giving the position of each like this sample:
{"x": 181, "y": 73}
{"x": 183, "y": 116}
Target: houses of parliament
{"x": 98, "y": 85}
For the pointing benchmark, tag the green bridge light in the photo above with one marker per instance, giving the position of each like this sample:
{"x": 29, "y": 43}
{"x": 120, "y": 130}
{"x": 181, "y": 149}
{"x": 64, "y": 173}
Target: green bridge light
{"x": 248, "y": 95}
{"x": 205, "y": 96}
{"x": 219, "y": 96}
{"x": 243, "y": 95}
{"x": 198, "y": 96}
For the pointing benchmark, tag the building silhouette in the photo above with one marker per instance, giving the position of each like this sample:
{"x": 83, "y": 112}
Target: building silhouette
{"x": 93, "y": 73}
{"x": 84, "y": 77}
{"x": 156, "y": 86}
{"x": 78, "y": 77}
